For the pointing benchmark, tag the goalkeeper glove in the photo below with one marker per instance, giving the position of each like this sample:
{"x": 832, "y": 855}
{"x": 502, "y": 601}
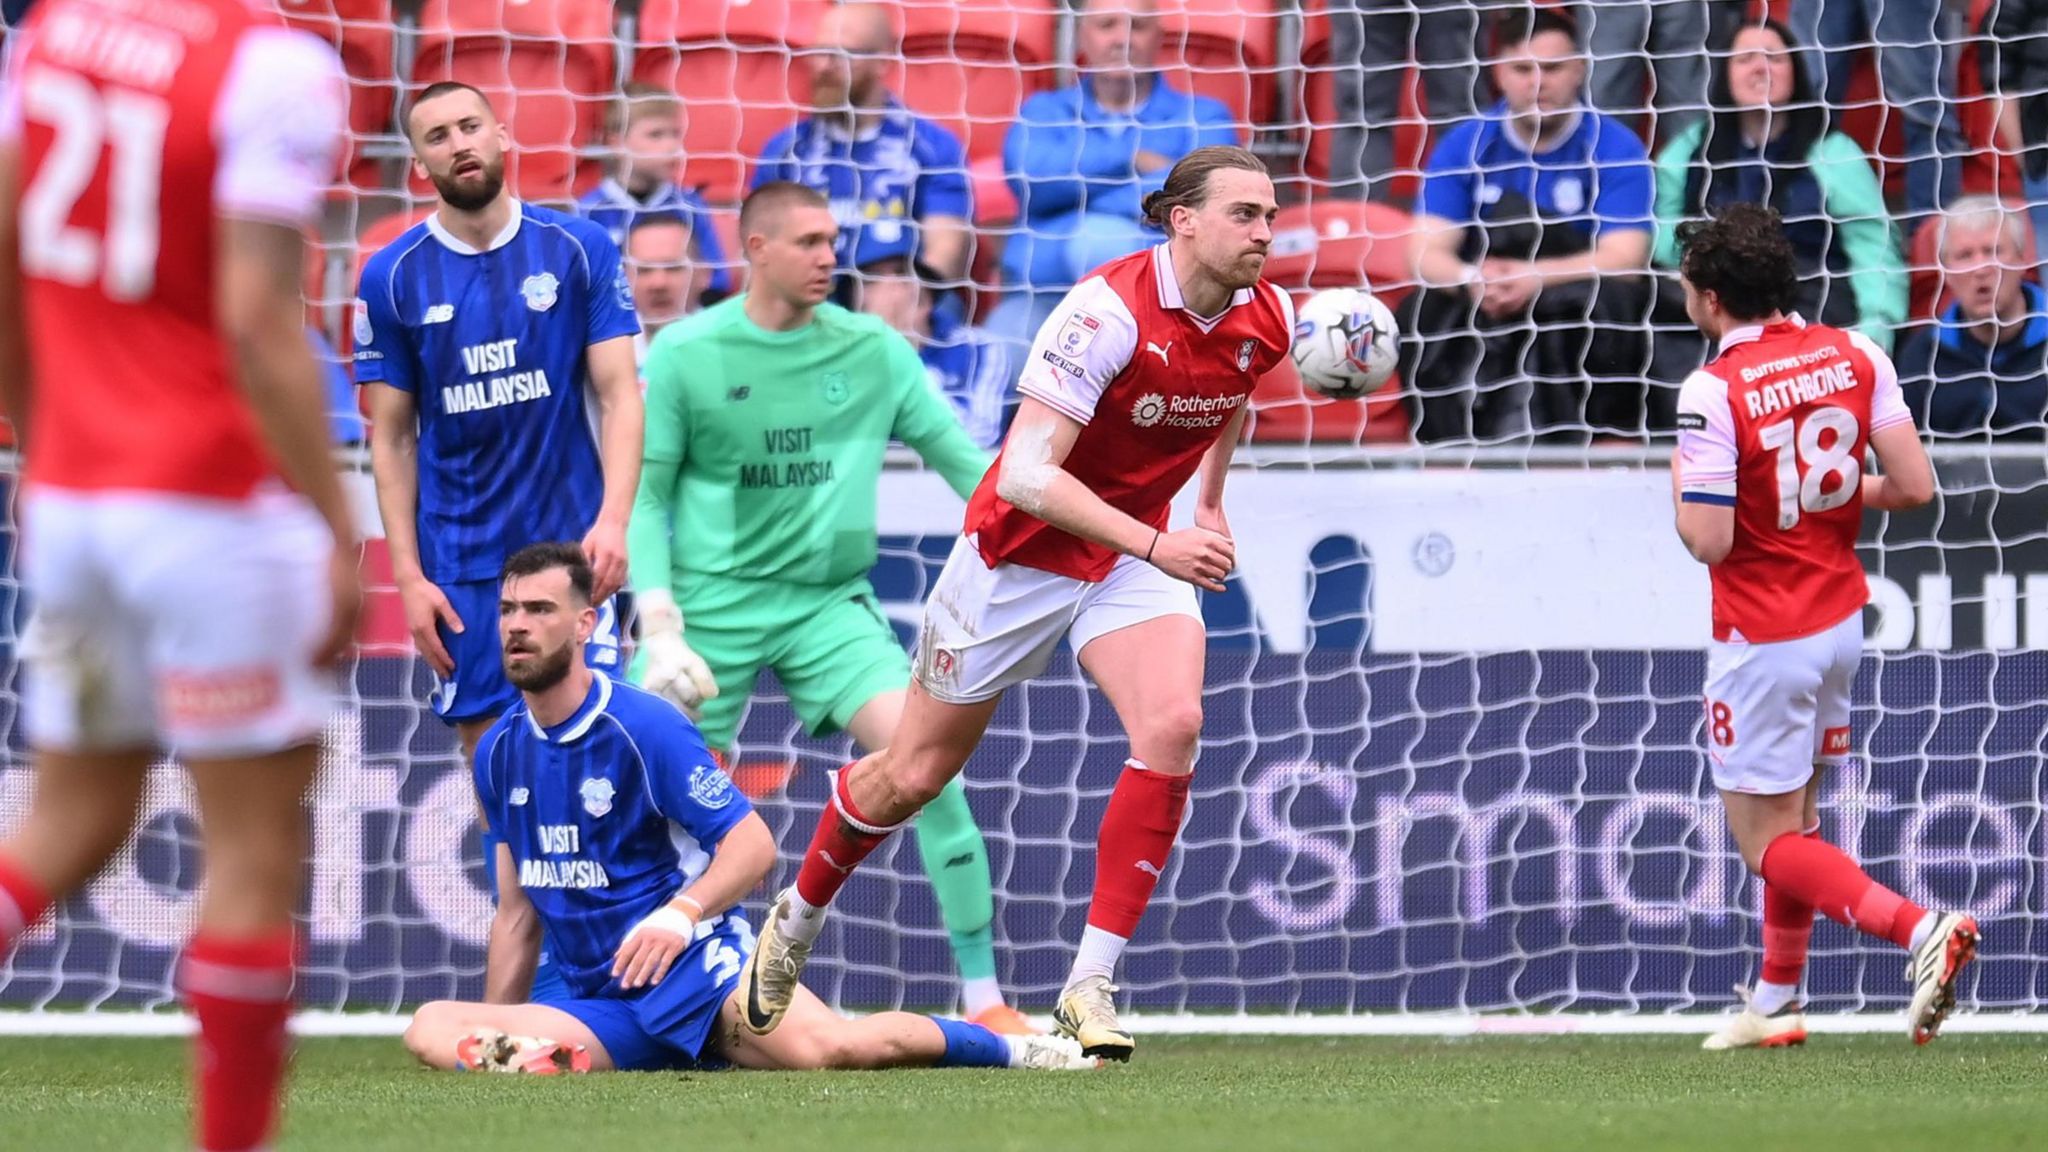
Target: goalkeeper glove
{"x": 673, "y": 671}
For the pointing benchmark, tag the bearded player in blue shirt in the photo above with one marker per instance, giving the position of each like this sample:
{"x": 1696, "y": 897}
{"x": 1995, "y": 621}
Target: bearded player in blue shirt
{"x": 623, "y": 841}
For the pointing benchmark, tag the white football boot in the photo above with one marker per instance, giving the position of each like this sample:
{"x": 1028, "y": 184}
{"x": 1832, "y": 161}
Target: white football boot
{"x": 1749, "y": 1028}
{"x": 1933, "y": 970}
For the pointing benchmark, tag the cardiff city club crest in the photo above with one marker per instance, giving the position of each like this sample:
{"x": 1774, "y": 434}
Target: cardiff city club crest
{"x": 1244, "y": 354}
{"x": 540, "y": 290}
{"x": 597, "y": 795}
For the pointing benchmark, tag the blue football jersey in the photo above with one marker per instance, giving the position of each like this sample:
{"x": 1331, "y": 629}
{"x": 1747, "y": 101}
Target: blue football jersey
{"x": 881, "y": 185}
{"x": 492, "y": 346}
{"x": 608, "y": 815}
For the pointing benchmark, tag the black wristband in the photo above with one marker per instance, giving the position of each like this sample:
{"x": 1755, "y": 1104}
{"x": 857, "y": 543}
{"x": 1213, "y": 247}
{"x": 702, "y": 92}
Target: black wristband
{"x": 1151, "y": 546}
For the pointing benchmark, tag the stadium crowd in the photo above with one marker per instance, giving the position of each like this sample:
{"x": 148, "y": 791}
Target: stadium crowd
{"x": 1509, "y": 175}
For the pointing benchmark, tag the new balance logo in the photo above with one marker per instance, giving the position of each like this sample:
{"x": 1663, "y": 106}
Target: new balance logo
{"x": 1156, "y": 350}
{"x": 520, "y": 797}
{"x": 1148, "y": 867}
{"x": 439, "y": 314}
{"x": 739, "y": 393}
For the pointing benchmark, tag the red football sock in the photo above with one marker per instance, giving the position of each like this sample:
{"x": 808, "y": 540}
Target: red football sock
{"x": 22, "y": 903}
{"x": 843, "y": 839}
{"x": 1138, "y": 831}
{"x": 1816, "y": 872}
{"x": 1788, "y": 927}
{"x": 241, "y": 991}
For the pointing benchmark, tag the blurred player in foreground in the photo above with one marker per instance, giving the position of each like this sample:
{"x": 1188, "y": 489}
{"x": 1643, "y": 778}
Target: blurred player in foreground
{"x": 1770, "y": 493}
{"x": 187, "y": 546}
{"x": 768, "y": 419}
{"x": 626, "y": 842}
{"x": 1138, "y": 381}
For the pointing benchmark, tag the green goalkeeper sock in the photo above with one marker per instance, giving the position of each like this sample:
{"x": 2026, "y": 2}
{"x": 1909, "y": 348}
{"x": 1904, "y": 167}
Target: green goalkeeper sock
{"x": 956, "y": 861}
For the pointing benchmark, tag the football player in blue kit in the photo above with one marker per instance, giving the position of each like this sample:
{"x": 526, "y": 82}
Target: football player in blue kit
{"x": 627, "y": 845}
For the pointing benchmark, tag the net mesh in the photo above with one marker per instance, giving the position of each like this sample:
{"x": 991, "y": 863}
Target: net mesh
{"x": 1451, "y": 754}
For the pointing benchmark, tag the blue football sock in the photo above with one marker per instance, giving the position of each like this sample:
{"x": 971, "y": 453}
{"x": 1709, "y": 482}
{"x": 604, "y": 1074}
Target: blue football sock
{"x": 972, "y": 1046}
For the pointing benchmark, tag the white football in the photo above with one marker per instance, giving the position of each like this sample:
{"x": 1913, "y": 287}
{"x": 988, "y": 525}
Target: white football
{"x": 1345, "y": 344}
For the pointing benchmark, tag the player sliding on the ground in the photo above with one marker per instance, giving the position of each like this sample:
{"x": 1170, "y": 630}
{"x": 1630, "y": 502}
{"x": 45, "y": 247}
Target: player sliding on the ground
{"x": 1137, "y": 381}
{"x": 767, "y": 420}
{"x": 1770, "y": 492}
{"x": 630, "y": 848}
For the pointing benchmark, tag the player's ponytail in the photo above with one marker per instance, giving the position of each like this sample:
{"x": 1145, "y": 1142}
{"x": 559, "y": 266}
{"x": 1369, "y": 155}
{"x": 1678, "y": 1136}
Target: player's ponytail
{"x": 1187, "y": 185}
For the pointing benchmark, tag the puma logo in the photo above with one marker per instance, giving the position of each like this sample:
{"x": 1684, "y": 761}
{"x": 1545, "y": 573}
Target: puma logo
{"x": 842, "y": 869}
{"x": 1148, "y": 867}
{"x": 1159, "y": 352}
{"x": 961, "y": 860}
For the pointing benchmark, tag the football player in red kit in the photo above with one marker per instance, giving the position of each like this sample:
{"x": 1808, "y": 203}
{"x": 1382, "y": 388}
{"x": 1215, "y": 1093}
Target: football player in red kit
{"x": 186, "y": 544}
{"x": 1770, "y": 494}
{"x": 1138, "y": 381}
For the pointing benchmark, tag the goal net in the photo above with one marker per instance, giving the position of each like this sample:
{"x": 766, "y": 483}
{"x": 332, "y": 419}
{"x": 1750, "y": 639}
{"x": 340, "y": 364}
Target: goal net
{"x": 1451, "y": 762}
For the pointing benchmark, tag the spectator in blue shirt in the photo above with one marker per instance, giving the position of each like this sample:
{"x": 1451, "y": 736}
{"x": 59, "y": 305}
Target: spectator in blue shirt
{"x": 897, "y": 182}
{"x": 1531, "y": 247}
{"x": 644, "y": 130}
{"x": 1082, "y": 159}
{"x": 1982, "y": 369}
{"x": 967, "y": 366}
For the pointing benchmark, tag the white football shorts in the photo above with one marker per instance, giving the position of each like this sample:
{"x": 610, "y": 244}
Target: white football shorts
{"x": 174, "y": 622}
{"x": 989, "y": 629}
{"x": 1775, "y": 711}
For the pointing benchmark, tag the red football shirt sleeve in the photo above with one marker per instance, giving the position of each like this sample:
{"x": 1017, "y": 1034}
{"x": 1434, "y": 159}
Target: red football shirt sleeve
{"x": 273, "y": 166}
{"x": 1085, "y": 344}
{"x": 1887, "y": 399}
{"x": 1706, "y": 441}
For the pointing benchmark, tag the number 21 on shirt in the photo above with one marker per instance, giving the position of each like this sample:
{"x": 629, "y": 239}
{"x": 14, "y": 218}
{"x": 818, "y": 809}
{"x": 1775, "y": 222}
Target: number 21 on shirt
{"x": 89, "y": 124}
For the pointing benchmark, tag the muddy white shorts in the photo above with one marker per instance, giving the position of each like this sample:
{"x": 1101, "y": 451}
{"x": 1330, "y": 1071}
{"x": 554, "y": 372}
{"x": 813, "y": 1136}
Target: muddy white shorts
{"x": 988, "y": 629}
{"x": 175, "y": 622}
{"x": 1776, "y": 710}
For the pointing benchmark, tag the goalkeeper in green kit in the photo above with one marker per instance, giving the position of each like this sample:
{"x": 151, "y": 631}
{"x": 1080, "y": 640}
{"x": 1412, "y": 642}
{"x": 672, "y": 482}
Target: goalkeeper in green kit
{"x": 767, "y": 419}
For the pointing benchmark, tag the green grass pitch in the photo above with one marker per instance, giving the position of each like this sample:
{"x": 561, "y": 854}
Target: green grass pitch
{"x": 1854, "y": 1093}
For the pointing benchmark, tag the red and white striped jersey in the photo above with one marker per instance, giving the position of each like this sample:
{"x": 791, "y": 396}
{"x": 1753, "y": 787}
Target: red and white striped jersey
{"x": 139, "y": 124}
{"x": 1776, "y": 427}
{"x": 1153, "y": 383}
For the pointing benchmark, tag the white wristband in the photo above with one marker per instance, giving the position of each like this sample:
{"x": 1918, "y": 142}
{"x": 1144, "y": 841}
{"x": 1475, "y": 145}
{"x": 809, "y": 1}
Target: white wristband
{"x": 667, "y": 918}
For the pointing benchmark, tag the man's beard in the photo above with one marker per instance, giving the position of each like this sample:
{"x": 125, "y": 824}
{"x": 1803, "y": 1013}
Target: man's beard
{"x": 469, "y": 198}
{"x": 542, "y": 674}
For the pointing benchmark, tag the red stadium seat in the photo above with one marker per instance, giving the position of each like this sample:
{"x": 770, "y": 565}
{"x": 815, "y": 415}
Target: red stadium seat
{"x": 361, "y": 32}
{"x": 1283, "y": 412}
{"x": 1318, "y": 100}
{"x": 1929, "y": 292}
{"x": 969, "y": 65}
{"x": 733, "y": 66}
{"x": 1342, "y": 244}
{"x": 1224, "y": 49}
{"x": 547, "y": 67}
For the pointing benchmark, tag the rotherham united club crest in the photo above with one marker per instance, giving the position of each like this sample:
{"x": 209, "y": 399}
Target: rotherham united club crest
{"x": 1244, "y": 355}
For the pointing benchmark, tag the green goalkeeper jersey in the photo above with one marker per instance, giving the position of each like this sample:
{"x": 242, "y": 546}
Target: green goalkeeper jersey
{"x": 764, "y": 449}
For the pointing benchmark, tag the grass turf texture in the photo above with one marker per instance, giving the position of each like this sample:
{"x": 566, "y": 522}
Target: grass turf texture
{"x": 1858, "y": 1093}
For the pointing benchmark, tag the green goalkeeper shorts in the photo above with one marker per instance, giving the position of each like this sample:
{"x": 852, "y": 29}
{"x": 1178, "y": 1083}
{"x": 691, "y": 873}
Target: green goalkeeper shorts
{"x": 833, "y": 649}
